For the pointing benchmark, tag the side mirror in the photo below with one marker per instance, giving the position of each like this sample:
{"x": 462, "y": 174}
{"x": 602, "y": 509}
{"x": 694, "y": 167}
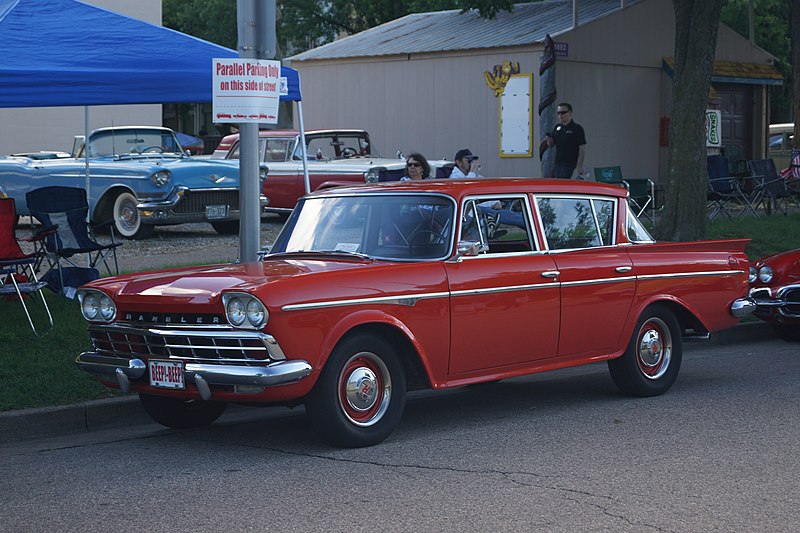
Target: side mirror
{"x": 469, "y": 249}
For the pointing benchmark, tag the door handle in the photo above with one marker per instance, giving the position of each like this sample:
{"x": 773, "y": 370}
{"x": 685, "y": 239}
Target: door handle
{"x": 623, "y": 269}
{"x": 550, "y": 274}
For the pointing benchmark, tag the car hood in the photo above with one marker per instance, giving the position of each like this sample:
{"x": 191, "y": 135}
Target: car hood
{"x": 202, "y": 285}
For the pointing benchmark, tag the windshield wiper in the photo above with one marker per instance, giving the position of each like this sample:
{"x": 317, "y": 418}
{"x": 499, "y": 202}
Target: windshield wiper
{"x": 356, "y": 255}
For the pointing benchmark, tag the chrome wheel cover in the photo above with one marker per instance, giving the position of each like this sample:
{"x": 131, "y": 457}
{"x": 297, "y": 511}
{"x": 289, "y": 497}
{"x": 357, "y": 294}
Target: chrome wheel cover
{"x": 653, "y": 348}
{"x": 365, "y": 389}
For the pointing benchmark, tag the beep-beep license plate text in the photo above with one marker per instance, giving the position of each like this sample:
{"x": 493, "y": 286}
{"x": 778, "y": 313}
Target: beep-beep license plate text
{"x": 166, "y": 374}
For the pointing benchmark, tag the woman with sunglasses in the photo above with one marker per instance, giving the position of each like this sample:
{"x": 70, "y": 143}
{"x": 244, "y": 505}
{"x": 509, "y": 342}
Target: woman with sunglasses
{"x": 417, "y": 168}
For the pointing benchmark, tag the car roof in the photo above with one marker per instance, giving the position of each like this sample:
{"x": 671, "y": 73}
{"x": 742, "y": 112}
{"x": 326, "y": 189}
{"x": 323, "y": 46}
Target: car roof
{"x": 459, "y": 188}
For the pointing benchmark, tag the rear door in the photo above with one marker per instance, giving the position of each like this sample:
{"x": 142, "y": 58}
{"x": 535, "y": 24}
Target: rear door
{"x": 596, "y": 278}
{"x": 505, "y": 302}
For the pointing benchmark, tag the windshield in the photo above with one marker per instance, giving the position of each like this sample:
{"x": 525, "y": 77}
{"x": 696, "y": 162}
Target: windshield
{"x": 336, "y": 146}
{"x": 387, "y": 226}
{"x": 133, "y": 141}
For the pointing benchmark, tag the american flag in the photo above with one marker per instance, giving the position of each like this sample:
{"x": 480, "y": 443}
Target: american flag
{"x": 793, "y": 171}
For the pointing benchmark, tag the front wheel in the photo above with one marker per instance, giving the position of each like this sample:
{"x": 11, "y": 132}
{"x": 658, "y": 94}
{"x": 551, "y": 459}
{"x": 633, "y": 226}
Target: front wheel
{"x": 127, "y": 220}
{"x": 360, "y": 394}
{"x": 181, "y": 414}
{"x": 651, "y": 362}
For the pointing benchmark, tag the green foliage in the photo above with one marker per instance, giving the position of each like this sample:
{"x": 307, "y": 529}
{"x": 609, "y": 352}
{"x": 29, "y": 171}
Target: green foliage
{"x": 303, "y": 24}
{"x": 771, "y": 34}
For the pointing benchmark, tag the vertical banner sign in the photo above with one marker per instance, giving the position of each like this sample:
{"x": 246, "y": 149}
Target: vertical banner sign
{"x": 246, "y": 90}
{"x": 713, "y": 128}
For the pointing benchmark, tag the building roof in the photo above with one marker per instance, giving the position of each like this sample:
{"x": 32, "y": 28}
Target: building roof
{"x": 735, "y": 72}
{"x": 453, "y": 30}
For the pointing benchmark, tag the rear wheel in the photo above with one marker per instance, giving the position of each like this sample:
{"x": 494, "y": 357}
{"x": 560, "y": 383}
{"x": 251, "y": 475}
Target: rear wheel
{"x": 360, "y": 395}
{"x": 651, "y": 362}
{"x": 181, "y": 414}
{"x": 127, "y": 220}
{"x": 787, "y": 332}
{"x": 227, "y": 227}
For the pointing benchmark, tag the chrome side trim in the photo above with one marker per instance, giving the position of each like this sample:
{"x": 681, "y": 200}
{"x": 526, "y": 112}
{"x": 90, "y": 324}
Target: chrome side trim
{"x": 508, "y": 288}
{"x": 597, "y": 281}
{"x": 692, "y": 274}
{"x": 409, "y": 300}
{"x": 412, "y": 299}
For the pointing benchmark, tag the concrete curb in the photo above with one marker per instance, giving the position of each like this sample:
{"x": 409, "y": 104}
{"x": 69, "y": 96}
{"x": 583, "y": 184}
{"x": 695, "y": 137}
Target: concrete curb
{"x": 90, "y": 416}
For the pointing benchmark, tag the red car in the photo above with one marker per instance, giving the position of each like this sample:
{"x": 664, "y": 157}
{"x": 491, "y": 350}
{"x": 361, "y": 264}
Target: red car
{"x": 334, "y": 158}
{"x": 374, "y": 290}
{"x": 775, "y": 287}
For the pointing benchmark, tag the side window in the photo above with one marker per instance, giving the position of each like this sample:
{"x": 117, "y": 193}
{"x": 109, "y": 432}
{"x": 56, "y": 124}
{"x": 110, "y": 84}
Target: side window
{"x": 276, "y": 150}
{"x": 571, "y": 223}
{"x": 500, "y": 223}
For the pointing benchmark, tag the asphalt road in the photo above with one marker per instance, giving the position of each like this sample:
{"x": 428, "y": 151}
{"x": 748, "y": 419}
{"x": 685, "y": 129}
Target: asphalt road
{"x": 562, "y": 451}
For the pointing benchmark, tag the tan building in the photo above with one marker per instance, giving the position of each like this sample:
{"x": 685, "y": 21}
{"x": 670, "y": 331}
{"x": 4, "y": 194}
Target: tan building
{"x": 420, "y": 83}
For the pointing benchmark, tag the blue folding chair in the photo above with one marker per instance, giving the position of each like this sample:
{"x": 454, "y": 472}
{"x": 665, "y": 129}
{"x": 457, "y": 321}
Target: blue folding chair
{"x": 65, "y": 210}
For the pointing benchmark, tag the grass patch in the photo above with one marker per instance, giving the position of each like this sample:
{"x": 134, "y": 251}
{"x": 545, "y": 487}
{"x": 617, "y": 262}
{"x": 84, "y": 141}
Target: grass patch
{"x": 769, "y": 234}
{"x": 41, "y": 371}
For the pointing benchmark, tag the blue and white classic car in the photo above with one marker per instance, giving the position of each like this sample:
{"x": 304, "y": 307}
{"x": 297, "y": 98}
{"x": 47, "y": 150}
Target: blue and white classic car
{"x": 140, "y": 177}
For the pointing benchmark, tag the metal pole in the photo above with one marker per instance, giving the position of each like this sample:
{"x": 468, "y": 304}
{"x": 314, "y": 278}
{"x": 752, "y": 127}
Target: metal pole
{"x": 306, "y": 180}
{"x": 249, "y": 225}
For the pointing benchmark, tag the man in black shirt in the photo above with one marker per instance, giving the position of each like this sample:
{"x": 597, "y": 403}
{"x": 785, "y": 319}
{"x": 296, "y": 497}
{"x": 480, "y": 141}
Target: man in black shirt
{"x": 570, "y": 142}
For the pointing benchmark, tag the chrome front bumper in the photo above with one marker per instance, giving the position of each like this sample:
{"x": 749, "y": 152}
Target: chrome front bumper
{"x": 743, "y": 307}
{"x": 202, "y": 375}
{"x": 162, "y": 211}
{"x": 783, "y": 300}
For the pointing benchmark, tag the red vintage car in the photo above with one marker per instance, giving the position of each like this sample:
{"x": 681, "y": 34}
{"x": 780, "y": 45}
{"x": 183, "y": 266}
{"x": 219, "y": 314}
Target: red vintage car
{"x": 334, "y": 157}
{"x": 775, "y": 287}
{"x": 374, "y": 290}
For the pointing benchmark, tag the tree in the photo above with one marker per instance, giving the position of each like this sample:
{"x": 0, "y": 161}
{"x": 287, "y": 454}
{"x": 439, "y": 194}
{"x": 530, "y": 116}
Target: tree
{"x": 772, "y": 34}
{"x": 795, "y": 32}
{"x": 696, "y": 26}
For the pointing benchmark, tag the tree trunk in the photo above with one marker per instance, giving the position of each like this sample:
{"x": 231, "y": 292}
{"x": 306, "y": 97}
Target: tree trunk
{"x": 794, "y": 31}
{"x": 696, "y": 26}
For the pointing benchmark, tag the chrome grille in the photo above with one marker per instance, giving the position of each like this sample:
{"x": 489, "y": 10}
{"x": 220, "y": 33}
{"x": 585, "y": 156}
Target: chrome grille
{"x": 196, "y": 201}
{"x": 792, "y": 298}
{"x": 218, "y": 345}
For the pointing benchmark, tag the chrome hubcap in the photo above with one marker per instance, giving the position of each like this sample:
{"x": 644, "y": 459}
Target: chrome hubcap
{"x": 361, "y": 389}
{"x": 650, "y": 348}
{"x": 654, "y": 348}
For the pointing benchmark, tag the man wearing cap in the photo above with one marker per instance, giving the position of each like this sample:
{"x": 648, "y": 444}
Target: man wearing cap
{"x": 466, "y": 165}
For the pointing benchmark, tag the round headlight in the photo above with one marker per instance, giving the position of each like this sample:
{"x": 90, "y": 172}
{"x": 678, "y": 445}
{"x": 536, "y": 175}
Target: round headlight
{"x": 262, "y": 173}
{"x": 107, "y": 308}
{"x": 235, "y": 309}
{"x": 753, "y": 275}
{"x": 90, "y": 306}
{"x": 255, "y": 313}
{"x": 160, "y": 178}
{"x": 765, "y": 274}
{"x": 372, "y": 176}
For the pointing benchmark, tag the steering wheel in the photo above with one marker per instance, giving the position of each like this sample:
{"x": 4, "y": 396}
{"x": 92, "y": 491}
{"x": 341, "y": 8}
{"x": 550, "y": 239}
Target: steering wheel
{"x": 349, "y": 152}
{"x": 156, "y": 149}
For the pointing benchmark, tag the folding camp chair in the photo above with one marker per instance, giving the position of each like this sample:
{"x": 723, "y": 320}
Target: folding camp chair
{"x": 791, "y": 176}
{"x": 775, "y": 196}
{"x": 17, "y": 273}
{"x": 65, "y": 210}
{"x": 641, "y": 191}
{"x": 725, "y": 193}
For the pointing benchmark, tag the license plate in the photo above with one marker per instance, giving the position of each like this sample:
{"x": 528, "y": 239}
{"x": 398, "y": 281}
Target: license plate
{"x": 216, "y": 211}
{"x": 166, "y": 374}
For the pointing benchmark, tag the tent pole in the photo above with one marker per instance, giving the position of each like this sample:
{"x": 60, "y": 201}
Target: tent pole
{"x": 86, "y": 166}
{"x": 306, "y": 180}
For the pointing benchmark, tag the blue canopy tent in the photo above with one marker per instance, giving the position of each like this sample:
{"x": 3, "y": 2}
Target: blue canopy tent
{"x": 69, "y": 53}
